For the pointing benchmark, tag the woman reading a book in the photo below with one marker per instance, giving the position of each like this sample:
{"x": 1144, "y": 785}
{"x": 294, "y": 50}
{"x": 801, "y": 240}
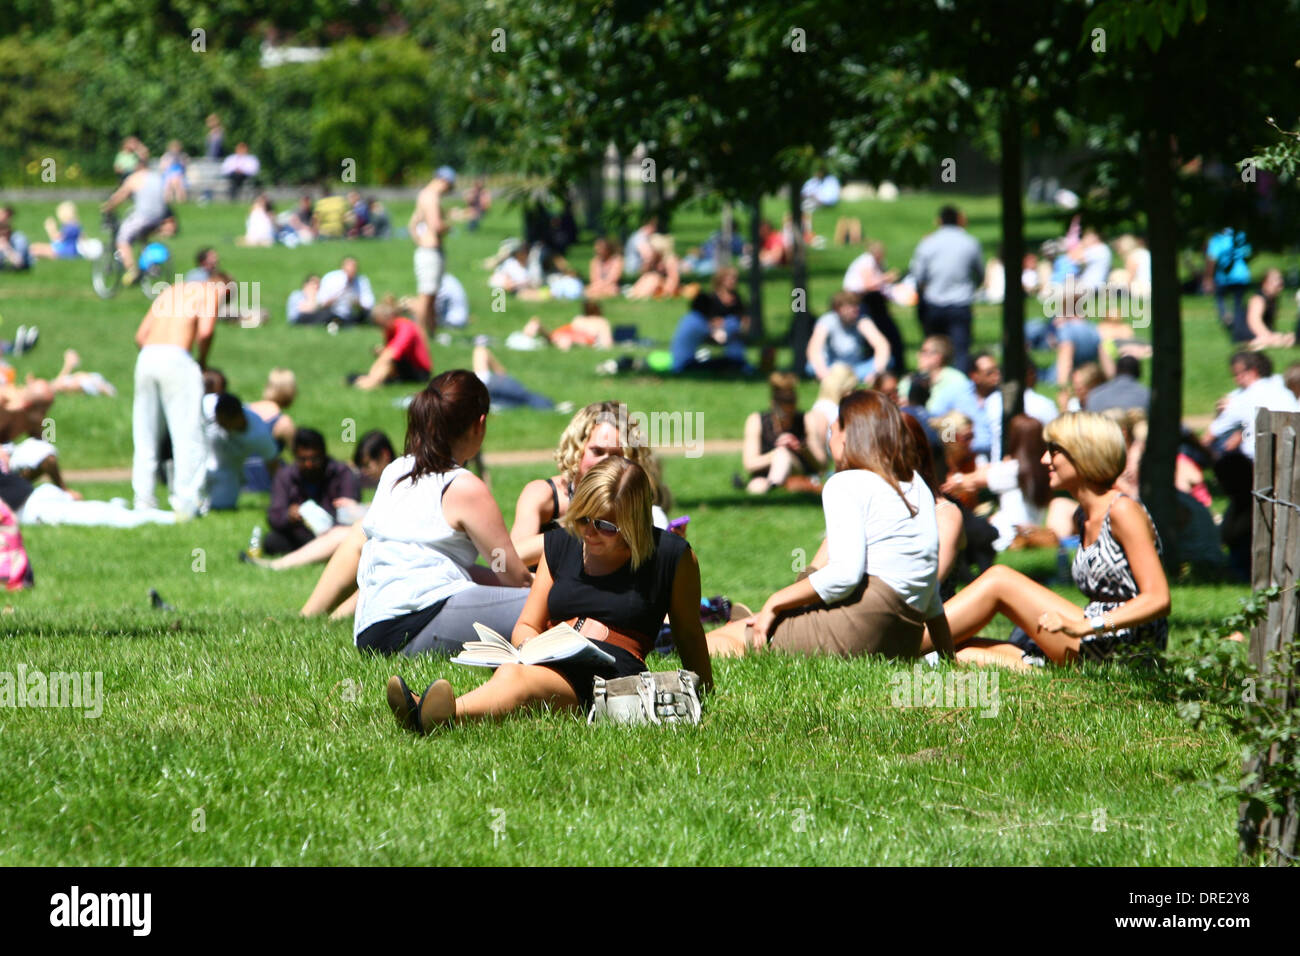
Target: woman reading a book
{"x": 596, "y": 432}
{"x": 874, "y": 585}
{"x": 610, "y": 574}
{"x": 591, "y": 436}
{"x": 420, "y": 588}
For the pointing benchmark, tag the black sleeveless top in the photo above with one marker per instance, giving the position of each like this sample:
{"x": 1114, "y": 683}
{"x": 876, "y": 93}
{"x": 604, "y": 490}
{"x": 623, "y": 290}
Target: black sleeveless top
{"x": 769, "y": 434}
{"x": 555, "y": 506}
{"x": 631, "y": 602}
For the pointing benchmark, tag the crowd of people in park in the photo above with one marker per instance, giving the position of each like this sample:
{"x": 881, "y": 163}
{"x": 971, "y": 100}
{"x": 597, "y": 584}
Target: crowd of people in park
{"x": 921, "y": 482}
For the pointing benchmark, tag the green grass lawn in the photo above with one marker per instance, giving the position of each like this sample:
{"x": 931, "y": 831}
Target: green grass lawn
{"x": 275, "y": 728}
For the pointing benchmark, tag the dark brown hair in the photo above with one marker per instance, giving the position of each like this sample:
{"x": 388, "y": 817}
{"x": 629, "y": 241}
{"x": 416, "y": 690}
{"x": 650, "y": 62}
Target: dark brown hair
{"x": 876, "y": 439}
{"x": 446, "y": 409}
{"x": 1025, "y": 443}
{"x": 922, "y": 457}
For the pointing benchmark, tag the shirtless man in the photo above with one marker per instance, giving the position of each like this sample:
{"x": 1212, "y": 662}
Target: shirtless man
{"x": 150, "y": 213}
{"x": 427, "y": 228}
{"x": 169, "y": 388}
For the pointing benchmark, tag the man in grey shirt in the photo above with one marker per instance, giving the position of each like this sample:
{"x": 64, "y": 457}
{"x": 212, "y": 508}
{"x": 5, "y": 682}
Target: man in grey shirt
{"x": 1123, "y": 391}
{"x": 948, "y": 267}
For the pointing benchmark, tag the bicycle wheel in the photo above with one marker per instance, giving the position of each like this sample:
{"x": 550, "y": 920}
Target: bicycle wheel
{"x": 152, "y": 283}
{"x": 106, "y": 273}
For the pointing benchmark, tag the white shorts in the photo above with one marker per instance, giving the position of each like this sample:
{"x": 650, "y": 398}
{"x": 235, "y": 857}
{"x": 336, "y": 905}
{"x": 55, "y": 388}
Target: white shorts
{"x": 428, "y": 270}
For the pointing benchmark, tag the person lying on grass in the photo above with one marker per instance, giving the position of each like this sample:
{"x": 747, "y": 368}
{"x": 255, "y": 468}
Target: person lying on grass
{"x": 1117, "y": 567}
{"x": 877, "y": 586}
{"x": 611, "y": 568}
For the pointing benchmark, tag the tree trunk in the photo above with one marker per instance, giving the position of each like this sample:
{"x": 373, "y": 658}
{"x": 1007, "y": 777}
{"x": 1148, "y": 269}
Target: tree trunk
{"x": 595, "y": 204}
{"x": 623, "y": 230}
{"x": 725, "y": 234}
{"x": 757, "y": 331}
{"x": 1012, "y": 253}
{"x": 801, "y": 321}
{"x": 1164, "y": 424}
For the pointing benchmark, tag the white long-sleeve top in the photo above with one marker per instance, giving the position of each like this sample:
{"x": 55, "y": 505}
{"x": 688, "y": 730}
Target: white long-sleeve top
{"x": 869, "y": 530}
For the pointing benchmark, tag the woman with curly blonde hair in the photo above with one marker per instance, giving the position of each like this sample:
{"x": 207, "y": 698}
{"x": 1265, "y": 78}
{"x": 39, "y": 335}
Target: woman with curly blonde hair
{"x": 596, "y": 432}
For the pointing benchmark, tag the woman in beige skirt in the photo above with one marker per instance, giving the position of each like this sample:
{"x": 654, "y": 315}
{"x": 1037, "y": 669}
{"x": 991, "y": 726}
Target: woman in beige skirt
{"x": 874, "y": 588}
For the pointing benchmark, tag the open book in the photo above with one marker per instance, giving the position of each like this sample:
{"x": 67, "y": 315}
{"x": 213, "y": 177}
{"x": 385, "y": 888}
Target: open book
{"x": 560, "y": 643}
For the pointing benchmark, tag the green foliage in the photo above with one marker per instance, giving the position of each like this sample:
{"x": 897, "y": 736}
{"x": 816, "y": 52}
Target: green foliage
{"x": 373, "y": 103}
{"x": 1214, "y": 683}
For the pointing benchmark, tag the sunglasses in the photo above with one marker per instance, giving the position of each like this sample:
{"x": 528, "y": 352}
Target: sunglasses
{"x": 1053, "y": 449}
{"x": 600, "y": 524}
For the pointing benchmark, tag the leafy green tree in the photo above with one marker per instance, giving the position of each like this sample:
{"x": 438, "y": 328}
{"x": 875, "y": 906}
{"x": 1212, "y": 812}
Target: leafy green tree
{"x": 1161, "y": 81}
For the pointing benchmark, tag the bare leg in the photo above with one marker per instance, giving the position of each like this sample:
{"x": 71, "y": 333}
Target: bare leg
{"x": 347, "y": 609}
{"x": 1060, "y": 517}
{"x": 994, "y": 655}
{"x": 320, "y": 548}
{"x": 339, "y": 579}
{"x": 513, "y": 687}
{"x": 733, "y": 639}
{"x": 1001, "y": 590}
{"x": 783, "y": 465}
{"x": 426, "y": 314}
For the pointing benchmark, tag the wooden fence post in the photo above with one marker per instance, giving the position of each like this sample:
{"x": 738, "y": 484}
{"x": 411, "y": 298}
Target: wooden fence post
{"x": 1275, "y": 541}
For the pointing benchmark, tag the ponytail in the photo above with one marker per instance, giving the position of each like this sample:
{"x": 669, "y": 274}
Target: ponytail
{"x": 447, "y": 408}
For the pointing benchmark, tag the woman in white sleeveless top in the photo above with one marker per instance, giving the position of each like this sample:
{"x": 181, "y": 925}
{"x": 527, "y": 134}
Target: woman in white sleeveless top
{"x": 420, "y": 589}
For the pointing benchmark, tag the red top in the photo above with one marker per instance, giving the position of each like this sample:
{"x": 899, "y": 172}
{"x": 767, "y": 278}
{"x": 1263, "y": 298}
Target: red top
{"x": 406, "y": 343}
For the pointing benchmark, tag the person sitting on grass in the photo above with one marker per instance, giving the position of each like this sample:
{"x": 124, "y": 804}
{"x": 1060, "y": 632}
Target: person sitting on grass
{"x": 420, "y": 588}
{"x": 591, "y": 436}
{"x": 277, "y": 395}
{"x": 1261, "y": 314}
{"x": 1117, "y": 567}
{"x": 606, "y": 270}
{"x": 404, "y": 356}
{"x": 838, "y": 381}
{"x": 374, "y": 453}
{"x": 842, "y": 335}
{"x": 700, "y": 329}
{"x": 315, "y": 477}
{"x": 874, "y": 586}
{"x": 661, "y": 278}
{"x": 775, "y": 447}
{"x": 234, "y": 434}
{"x": 613, "y": 575}
{"x": 63, "y": 234}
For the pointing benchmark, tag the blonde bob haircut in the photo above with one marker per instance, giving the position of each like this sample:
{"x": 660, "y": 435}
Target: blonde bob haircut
{"x": 281, "y": 387}
{"x": 622, "y": 488}
{"x": 1095, "y": 444}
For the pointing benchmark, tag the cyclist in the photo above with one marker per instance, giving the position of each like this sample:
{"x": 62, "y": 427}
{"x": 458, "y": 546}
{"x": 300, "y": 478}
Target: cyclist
{"x": 150, "y": 213}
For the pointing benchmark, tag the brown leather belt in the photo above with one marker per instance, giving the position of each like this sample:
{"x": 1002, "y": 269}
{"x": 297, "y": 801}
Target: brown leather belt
{"x": 596, "y": 631}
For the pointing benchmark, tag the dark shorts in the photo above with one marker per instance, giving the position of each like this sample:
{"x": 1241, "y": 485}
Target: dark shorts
{"x": 407, "y": 371}
{"x": 580, "y": 675}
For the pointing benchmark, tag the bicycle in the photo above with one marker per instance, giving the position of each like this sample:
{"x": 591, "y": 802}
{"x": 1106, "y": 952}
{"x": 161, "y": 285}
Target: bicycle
{"x": 107, "y": 269}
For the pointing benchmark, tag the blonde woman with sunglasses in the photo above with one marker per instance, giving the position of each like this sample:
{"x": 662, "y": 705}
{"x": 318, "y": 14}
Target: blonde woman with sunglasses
{"x": 1117, "y": 567}
{"x": 611, "y": 574}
